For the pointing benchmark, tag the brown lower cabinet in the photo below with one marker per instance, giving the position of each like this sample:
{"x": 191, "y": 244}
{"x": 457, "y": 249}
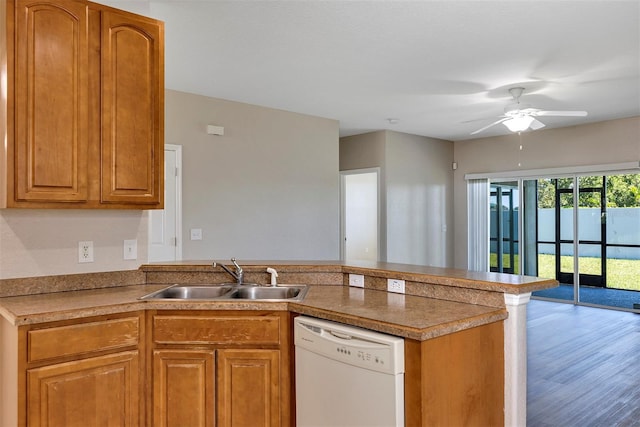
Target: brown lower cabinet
{"x": 217, "y": 368}
{"x": 456, "y": 379}
{"x": 81, "y": 372}
{"x": 220, "y": 369}
{"x": 96, "y": 391}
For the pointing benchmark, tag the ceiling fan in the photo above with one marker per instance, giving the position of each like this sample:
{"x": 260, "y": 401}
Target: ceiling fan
{"x": 520, "y": 117}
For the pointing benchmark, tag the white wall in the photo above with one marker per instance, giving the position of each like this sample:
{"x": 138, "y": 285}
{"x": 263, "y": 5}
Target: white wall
{"x": 268, "y": 189}
{"x": 613, "y": 141}
{"x": 418, "y": 193}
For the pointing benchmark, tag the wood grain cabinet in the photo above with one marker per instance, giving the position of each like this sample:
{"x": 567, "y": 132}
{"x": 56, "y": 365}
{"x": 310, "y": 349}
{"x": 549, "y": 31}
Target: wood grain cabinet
{"x": 74, "y": 373}
{"x": 84, "y": 114}
{"x": 223, "y": 369}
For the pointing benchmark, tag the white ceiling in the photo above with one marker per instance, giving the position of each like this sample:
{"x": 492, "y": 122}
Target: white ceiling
{"x": 432, "y": 65}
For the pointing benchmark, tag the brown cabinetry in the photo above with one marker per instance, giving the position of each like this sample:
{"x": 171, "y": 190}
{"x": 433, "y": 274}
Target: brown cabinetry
{"x": 96, "y": 391}
{"x": 249, "y": 387}
{"x": 456, "y": 379}
{"x": 72, "y": 373}
{"x": 84, "y": 110}
{"x": 221, "y": 368}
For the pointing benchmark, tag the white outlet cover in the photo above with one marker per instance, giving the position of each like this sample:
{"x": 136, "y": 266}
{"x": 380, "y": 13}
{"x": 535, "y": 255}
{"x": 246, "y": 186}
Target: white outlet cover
{"x": 196, "y": 234}
{"x": 395, "y": 285}
{"x": 356, "y": 280}
{"x": 85, "y": 251}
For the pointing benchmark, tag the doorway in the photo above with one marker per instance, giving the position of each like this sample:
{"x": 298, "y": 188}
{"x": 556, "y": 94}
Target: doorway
{"x": 592, "y": 228}
{"x": 360, "y": 214}
{"x": 165, "y": 226}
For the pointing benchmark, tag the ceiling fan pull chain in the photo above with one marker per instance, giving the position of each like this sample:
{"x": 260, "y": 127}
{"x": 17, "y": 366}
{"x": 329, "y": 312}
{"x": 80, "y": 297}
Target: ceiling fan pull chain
{"x": 520, "y": 150}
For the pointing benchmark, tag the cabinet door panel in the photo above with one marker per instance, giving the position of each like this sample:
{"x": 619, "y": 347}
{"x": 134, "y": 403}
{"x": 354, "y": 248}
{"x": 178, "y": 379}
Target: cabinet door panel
{"x": 99, "y": 391}
{"x": 248, "y": 388}
{"x": 132, "y": 109}
{"x": 183, "y": 388}
{"x": 51, "y": 116}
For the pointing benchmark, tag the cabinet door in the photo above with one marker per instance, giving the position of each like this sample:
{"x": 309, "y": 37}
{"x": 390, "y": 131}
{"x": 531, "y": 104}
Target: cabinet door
{"x": 132, "y": 109}
{"x": 98, "y": 391}
{"x": 51, "y": 89}
{"x": 248, "y": 388}
{"x": 183, "y": 388}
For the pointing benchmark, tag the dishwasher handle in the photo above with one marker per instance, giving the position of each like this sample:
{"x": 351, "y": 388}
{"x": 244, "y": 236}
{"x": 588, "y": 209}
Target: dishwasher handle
{"x": 340, "y": 337}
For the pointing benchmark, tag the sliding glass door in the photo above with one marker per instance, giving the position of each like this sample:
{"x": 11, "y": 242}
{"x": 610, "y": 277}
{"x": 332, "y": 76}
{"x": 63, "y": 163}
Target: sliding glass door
{"x": 583, "y": 231}
{"x": 503, "y": 232}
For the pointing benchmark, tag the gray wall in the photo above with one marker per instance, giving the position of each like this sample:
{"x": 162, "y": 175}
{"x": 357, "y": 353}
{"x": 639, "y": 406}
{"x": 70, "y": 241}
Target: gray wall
{"x": 613, "y": 141}
{"x": 41, "y": 242}
{"x": 368, "y": 151}
{"x": 267, "y": 189}
{"x": 417, "y": 184}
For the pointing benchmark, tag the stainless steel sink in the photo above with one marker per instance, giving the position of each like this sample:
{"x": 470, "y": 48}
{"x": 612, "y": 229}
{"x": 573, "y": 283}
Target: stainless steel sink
{"x": 267, "y": 292}
{"x": 190, "y": 292}
{"x": 230, "y": 291}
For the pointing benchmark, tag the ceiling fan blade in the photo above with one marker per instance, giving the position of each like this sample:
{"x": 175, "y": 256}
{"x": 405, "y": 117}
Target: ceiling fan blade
{"x": 488, "y": 126}
{"x": 536, "y": 124}
{"x": 561, "y": 113}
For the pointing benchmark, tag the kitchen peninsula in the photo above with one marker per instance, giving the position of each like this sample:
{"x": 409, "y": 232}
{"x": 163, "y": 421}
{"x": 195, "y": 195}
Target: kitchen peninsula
{"x": 452, "y": 322}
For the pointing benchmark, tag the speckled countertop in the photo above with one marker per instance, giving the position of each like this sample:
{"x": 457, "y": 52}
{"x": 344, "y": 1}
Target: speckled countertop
{"x": 408, "y": 316}
{"x": 438, "y": 301}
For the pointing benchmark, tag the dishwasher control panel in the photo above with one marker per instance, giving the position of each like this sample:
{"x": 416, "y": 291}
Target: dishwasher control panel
{"x": 348, "y": 344}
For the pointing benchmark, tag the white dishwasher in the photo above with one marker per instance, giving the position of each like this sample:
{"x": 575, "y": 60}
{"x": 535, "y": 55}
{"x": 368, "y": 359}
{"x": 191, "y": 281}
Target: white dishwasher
{"x": 347, "y": 376}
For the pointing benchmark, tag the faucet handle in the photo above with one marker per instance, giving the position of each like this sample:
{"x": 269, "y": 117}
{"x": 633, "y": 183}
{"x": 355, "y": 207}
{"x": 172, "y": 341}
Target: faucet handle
{"x": 239, "y": 271}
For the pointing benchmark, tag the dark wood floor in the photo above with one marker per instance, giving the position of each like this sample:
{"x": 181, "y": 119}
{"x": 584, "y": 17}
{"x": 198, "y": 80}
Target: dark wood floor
{"x": 583, "y": 366}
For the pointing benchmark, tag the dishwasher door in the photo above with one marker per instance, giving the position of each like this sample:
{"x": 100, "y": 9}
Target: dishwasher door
{"x": 347, "y": 376}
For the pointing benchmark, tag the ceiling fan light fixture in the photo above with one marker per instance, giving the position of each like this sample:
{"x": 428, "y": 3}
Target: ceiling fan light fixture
{"x": 518, "y": 124}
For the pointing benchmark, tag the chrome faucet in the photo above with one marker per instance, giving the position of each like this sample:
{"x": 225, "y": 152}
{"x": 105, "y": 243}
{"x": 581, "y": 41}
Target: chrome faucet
{"x": 238, "y": 274}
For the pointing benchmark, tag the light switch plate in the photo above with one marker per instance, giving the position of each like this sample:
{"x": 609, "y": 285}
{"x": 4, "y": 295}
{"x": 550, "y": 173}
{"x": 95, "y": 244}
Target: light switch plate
{"x": 130, "y": 249}
{"x": 196, "y": 234}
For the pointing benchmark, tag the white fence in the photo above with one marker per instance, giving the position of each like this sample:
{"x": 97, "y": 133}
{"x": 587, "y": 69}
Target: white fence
{"x": 623, "y": 228}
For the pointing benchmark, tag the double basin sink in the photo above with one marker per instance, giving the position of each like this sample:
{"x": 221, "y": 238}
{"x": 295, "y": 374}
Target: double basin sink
{"x": 230, "y": 291}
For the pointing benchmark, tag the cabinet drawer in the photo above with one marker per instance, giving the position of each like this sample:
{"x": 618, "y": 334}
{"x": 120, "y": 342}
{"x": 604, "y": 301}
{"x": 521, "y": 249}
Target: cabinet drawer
{"x": 82, "y": 338}
{"x": 216, "y": 330}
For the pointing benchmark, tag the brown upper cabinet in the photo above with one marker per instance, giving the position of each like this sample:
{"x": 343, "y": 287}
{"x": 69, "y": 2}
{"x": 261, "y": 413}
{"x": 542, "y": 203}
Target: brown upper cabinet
{"x": 84, "y": 110}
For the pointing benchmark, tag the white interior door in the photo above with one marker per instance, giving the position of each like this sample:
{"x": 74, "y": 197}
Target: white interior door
{"x": 165, "y": 226}
{"x": 360, "y": 215}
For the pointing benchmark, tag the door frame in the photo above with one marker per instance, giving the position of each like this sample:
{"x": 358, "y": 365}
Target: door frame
{"x": 177, "y": 149}
{"x": 343, "y": 206}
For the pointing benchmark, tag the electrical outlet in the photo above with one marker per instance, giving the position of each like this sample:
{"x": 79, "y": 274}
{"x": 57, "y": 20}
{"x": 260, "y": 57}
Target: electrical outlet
{"x": 356, "y": 280}
{"x": 130, "y": 249}
{"x": 85, "y": 251}
{"x": 395, "y": 285}
{"x": 196, "y": 233}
